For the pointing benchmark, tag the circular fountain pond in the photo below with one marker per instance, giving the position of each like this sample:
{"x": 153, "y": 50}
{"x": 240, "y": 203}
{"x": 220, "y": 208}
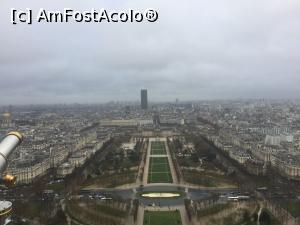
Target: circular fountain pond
{"x": 163, "y": 195}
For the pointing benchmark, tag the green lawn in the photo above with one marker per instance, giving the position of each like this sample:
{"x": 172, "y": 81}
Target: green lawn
{"x": 207, "y": 179}
{"x": 158, "y": 144}
{"x": 159, "y": 160}
{"x": 160, "y": 178}
{"x": 56, "y": 186}
{"x": 159, "y": 170}
{"x": 160, "y": 167}
{"x": 158, "y": 152}
{"x": 162, "y": 218}
{"x": 158, "y": 148}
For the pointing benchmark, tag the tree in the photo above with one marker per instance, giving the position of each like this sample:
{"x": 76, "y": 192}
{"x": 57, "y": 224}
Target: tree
{"x": 265, "y": 218}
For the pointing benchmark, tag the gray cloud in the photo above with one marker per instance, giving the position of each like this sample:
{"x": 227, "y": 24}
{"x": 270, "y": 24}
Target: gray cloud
{"x": 197, "y": 50}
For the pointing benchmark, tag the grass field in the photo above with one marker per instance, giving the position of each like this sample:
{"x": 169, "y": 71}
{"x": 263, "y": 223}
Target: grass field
{"x": 158, "y": 148}
{"x": 207, "y": 178}
{"x": 162, "y": 218}
{"x": 159, "y": 168}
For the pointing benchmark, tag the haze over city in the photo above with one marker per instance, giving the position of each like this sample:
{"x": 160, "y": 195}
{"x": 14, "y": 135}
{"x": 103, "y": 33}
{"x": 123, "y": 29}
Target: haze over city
{"x": 196, "y": 50}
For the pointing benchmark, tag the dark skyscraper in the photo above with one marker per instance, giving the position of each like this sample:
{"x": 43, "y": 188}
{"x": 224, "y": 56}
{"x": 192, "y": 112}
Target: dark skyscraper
{"x": 144, "y": 99}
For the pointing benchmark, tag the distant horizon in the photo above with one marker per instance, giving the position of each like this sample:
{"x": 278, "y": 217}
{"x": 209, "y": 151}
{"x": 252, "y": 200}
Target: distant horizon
{"x": 137, "y": 102}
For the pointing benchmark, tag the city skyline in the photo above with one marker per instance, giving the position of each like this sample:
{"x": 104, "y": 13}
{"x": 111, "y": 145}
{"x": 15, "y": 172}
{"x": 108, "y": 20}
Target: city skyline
{"x": 137, "y": 102}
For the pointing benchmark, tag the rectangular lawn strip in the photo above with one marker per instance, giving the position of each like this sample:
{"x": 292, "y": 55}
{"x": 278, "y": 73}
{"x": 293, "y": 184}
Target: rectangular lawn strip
{"x": 158, "y": 150}
{"x": 160, "y": 167}
{"x": 158, "y": 160}
{"x": 162, "y": 218}
{"x": 158, "y": 146}
{"x": 159, "y": 170}
{"x": 157, "y": 143}
{"x": 160, "y": 178}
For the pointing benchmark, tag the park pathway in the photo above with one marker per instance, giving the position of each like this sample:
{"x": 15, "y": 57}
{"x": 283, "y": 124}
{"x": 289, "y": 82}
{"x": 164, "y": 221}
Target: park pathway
{"x": 146, "y": 167}
{"x": 171, "y": 163}
{"x": 140, "y": 180}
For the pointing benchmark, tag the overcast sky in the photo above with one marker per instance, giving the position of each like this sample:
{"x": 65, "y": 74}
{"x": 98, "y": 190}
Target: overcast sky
{"x": 196, "y": 50}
